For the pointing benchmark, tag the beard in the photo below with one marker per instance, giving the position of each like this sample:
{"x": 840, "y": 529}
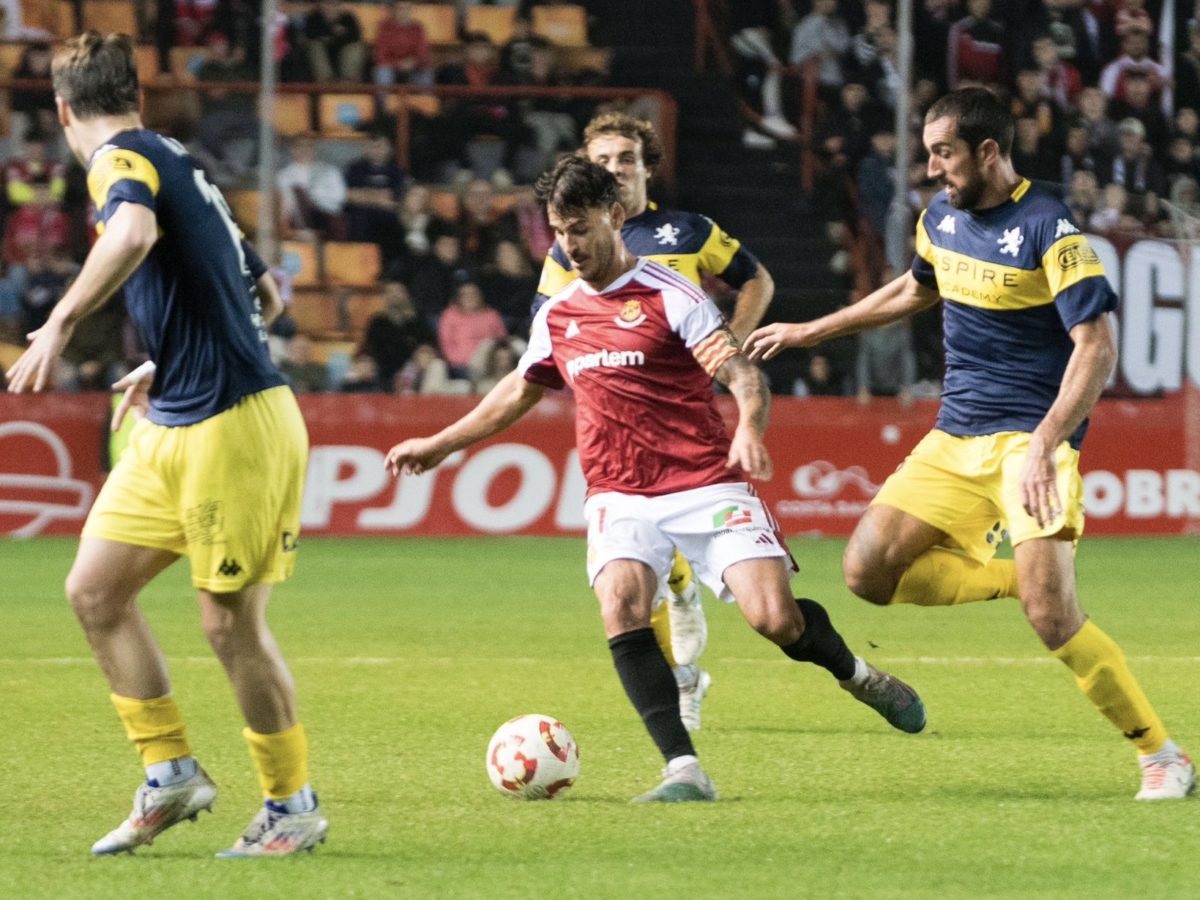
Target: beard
{"x": 971, "y": 192}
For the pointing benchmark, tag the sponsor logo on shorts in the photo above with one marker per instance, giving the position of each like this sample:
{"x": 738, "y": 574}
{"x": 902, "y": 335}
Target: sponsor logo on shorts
{"x": 609, "y": 359}
{"x": 290, "y": 541}
{"x": 732, "y": 516}
{"x": 229, "y": 568}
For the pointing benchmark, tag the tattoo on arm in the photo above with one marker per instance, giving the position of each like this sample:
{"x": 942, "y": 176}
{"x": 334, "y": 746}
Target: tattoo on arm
{"x": 749, "y": 389}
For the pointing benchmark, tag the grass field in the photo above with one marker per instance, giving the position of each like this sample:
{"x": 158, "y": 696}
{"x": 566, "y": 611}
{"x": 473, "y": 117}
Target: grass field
{"x": 409, "y": 653}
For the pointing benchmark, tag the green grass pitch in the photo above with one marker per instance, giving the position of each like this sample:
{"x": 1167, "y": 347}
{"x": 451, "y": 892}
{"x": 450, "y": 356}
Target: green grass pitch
{"x": 409, "y": 653}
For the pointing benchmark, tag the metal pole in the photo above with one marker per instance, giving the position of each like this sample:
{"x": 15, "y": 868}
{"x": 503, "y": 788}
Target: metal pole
{"x": 266, "y": 136}
{"x": 898, "y": 216}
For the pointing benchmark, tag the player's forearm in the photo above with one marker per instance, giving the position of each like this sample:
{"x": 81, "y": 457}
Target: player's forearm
{"x": 503, "y": 405}
{"x": 1088, "y": 369}
{"x": 269, "y": 298}
{"x": 116, "y": 255}
{"x": 749, "y": 390}
{"x": 898, "y": 299}
{"x": 752, "y": 302}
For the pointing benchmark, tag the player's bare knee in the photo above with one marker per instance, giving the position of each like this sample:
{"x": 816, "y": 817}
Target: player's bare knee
{"x": 864, "y": 579}
{"x": 97, "y": 608}
{"x": 779, "y": 621}
{"x": 1054, "y": 621}
{"x": 620, "y": 615}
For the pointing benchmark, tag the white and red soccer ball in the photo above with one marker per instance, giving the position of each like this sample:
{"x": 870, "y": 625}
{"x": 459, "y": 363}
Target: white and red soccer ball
{"x": 532, "y": 757}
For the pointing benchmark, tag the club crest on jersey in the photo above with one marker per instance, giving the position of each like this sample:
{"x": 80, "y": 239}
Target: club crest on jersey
{"x": 1011, "y": 241}
{"x": 631, "y": 314}
{"x": 667, "y": 234}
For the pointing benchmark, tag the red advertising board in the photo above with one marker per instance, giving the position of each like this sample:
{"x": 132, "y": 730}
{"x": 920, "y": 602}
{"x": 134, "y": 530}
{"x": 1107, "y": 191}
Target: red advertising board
{"x": 1141, "y": 465}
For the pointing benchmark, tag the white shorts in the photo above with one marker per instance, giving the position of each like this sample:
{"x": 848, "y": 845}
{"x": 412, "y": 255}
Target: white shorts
{"x": 713, "y": 527}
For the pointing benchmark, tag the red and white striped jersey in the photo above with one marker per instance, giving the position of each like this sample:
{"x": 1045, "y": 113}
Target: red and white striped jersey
{"x": 640, "y": 356}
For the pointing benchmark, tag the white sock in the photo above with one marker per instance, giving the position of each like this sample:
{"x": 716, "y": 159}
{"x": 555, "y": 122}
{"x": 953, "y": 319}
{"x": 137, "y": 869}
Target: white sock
{"x": 680, "y": 761}
{"x": 304, "y": 800}
{"x": 1169, "y": 751}
{"x": 172, "y": 771}
{"x": 860, "y": 672}
{"x": 686, "y": 676}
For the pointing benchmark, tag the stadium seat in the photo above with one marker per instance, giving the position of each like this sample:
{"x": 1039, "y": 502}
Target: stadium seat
{"x": 352, "y": 264}
{"x": 314, "y": 312}
{"x": 9, "y": 354}
{"x": 300, "y": 259}
{"x": 10, "y": 58}
{"x": 494, "y": 21}
{"x": 108, "y": 16}
{"x": 344, "y": 115}
{"x": 185, "y": 61}
{"x": 147, "y": 62}
{"x": 244, "y": 205}
{"x": 362, "y": 307}
{"x": 440, "y": 21}
{"x": 369, "y": 16}
{"x": 562, "y": 24}
{"x": 291, "y": 114}
{"x": 325, "y": 351}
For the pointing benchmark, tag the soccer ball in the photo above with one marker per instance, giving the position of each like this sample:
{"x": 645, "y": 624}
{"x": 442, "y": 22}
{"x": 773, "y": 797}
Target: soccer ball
{"x": 532, "y": 757}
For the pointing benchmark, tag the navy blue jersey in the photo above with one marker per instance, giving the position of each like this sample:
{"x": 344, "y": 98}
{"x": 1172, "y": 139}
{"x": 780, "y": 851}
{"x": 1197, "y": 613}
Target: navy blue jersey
{"x": 1015, "y": 280}
{"x": 689, "y": 243}
{"x": 193, "y": 300}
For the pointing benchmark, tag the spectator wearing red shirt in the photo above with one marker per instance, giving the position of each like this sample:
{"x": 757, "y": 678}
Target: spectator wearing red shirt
{"x": 401, "y": 49}
{"x": 976, "y": 47}
{"x": 467, "y": 321}
{"x": 1135, "y": 56}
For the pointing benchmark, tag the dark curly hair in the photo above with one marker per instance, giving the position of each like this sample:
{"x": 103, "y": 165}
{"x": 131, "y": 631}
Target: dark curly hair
{"x": 980, "y": 116}
{"x": 576, "y": 184}
{"x": 630, "y": 127}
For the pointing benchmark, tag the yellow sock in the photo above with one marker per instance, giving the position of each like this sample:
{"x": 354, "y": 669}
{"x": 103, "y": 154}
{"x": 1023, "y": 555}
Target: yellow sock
{"x": 681, "y": 574}
{"x": 1102, "y": 673}
{"x": 155, "y": 727}
{"x": 660, "y": 621}
{"x": 941, "y": 577}
{"x": 281, "y": 760}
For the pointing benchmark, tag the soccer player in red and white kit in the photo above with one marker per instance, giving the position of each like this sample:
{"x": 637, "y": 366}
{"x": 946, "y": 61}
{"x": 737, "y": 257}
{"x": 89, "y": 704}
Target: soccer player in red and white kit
{"x": 640, "y": 345}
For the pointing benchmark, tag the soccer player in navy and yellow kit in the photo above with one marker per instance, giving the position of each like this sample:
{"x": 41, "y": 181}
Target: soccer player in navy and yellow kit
{"x": 694, "y": 246}
{"x": 214, "y": 472}
{"x": 1029, "y": 347}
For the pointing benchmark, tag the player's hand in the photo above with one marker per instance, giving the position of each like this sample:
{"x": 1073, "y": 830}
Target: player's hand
{"x": 748, "y": 451}
{"x": 33, "y": 370}
{"x": 136, "y": 400}
{"x": 768, "y": 341}
{"x": 414, "y": 457}
{"x": 1039, "y": 483}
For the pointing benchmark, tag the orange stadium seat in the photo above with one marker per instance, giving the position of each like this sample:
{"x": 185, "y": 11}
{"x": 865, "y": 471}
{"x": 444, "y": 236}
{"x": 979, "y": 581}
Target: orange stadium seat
{"x": 369, "y": 16}
{"x": 184, "y": 61}
{"x": 315, "y": 312}
{"x": 362, "y": 307}
{"x": 109, "y": 16}
{"x": 291, "y": 114}
{"x": 323, "y": 350}
{"x": 244, "y": 206}
{"x": 440, "y": 21}
{"x": 147, "y": 62}
{"x": 563, "y": 24}
{"x": 59, "y": 18}
{"x": 344, "y": 115}
{"x": 10, "y": 58}
{"x": 300, "y": 257}
{"x": 494, "y": 21}
{"x": 352, "y": 264}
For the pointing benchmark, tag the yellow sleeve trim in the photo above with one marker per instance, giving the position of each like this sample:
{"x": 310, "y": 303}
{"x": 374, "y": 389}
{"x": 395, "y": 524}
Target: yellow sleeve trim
{"x": 715, "y": 350}
{"x": 924, "y": 247}
{"x": 1069, "y": 261}
{"x": 120, "y": 165}
{"x": 554, "y": 277}
{"x": 718, "y": 251}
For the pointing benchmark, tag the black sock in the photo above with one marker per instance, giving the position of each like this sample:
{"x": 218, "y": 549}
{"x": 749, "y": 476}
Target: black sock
{"x": 820, "y": 643}
{"x": 651, "y": 687}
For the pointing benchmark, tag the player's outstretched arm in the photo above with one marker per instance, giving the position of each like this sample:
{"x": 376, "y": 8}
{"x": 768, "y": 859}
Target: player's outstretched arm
{"x": 749, "y": 389}
{"x": 898, "y": 299}
{"x": 752, "y": 301}
{"x": 128, "y": 237}
{"x": 269, "y": 297}
{"x": 1088, "y": 369}
{"x": 510, "y": 399}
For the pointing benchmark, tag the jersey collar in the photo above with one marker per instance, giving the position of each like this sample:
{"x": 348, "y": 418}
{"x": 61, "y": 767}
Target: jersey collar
{"x": 620, "y": 281}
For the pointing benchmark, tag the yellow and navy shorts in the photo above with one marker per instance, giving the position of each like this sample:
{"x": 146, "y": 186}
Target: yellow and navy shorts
{"x": 225, "y": 492}
{"x": 969, "y": 487}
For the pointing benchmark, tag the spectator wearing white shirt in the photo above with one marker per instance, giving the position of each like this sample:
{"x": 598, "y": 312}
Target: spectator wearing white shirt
{"x": 312, "y": 192}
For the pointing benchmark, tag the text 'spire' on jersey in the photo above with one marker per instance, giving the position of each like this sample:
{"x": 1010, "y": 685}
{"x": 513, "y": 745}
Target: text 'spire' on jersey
{"x": 193, "y": 300}
{"x": 687, "y": 243}
{"x": 1015, "y": 279}
{"x": 640, "y": 356}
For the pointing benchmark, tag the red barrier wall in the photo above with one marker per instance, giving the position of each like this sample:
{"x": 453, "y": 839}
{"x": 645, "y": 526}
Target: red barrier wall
{"x": 1141, "y": 474}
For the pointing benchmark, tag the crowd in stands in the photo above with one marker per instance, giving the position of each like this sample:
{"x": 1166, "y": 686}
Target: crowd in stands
{"x": 458, "y": 240}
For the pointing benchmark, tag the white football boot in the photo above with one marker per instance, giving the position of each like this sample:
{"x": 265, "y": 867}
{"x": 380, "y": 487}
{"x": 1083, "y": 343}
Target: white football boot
{"x": 273, "y": 832}
{"x": 155, "y": 809}
{"x": 1167, "y": 775}
{"x": 687, "y": 784}
{"x": 689, "y": 629}
{"x": 693, "y": 684}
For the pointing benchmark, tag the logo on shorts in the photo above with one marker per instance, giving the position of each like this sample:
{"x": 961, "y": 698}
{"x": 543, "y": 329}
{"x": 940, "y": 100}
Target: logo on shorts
{"x": 229, "y": 568}
{"x": 732, "y": 516}
{"x": 290, "y": 541}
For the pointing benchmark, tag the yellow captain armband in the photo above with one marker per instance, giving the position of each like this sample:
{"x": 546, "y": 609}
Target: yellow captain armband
{"x": 715, "y": 350}
{"x": 120, "y": 165}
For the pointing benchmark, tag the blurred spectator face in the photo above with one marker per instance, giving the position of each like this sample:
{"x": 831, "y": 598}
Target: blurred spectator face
{"x": 34, "y": 151}
{"x": 884, "y": 143}
{"x": 1180, "y": 150}
{"x": 1114, "y": 197}
{"x": 541, "y": 62}
{"x": 925, "y": 92}
{"x": 1137, "y": 90}
{"x": 363, "y": 368}
{"x": 1077, "y": 140}
{"x": 1093, "y": 103}
{"x": 416, "y": 200}
{"x": 819, "y": 370}
{"x": 480, "y": 53}
{"x": 469, "y": 297}
{"x": 304, "y": 151}
{"x": 622, "y": 156}
{"x": 379, "y": 150}
{"x": 885, "y": 40}
{"x": 1084, "y": 187}
{"x": 1026, "y": 135}
{"x": 1187, "y": 122}
{"x": 38, "y": 58}
{"x": 446, "y": 248}
{"x": 478, "y": 200}
{"x": 1135, "y": 44}
{"x": 402, "y": 11}
{"x": 854, "y": 95}
{"x": 509, "y": 258}
{"x": 952, "y": 163}
{"x": 1029, "y": 85}
{"x": 878, "y": 13}
{"x": 979, "y": 8}
{"x": 825, "y": 7}
{"x": 504, "y": 358}
{"x": 1045, "y": 52}
{"x": 397, "y": 299}
{"x": 300, "y": 350}
{"x": 1130, "y": 138}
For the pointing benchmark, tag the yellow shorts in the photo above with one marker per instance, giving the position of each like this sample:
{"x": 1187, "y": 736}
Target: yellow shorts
{"x": 226, "y": 492}
{"x": 969, "y": 487}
